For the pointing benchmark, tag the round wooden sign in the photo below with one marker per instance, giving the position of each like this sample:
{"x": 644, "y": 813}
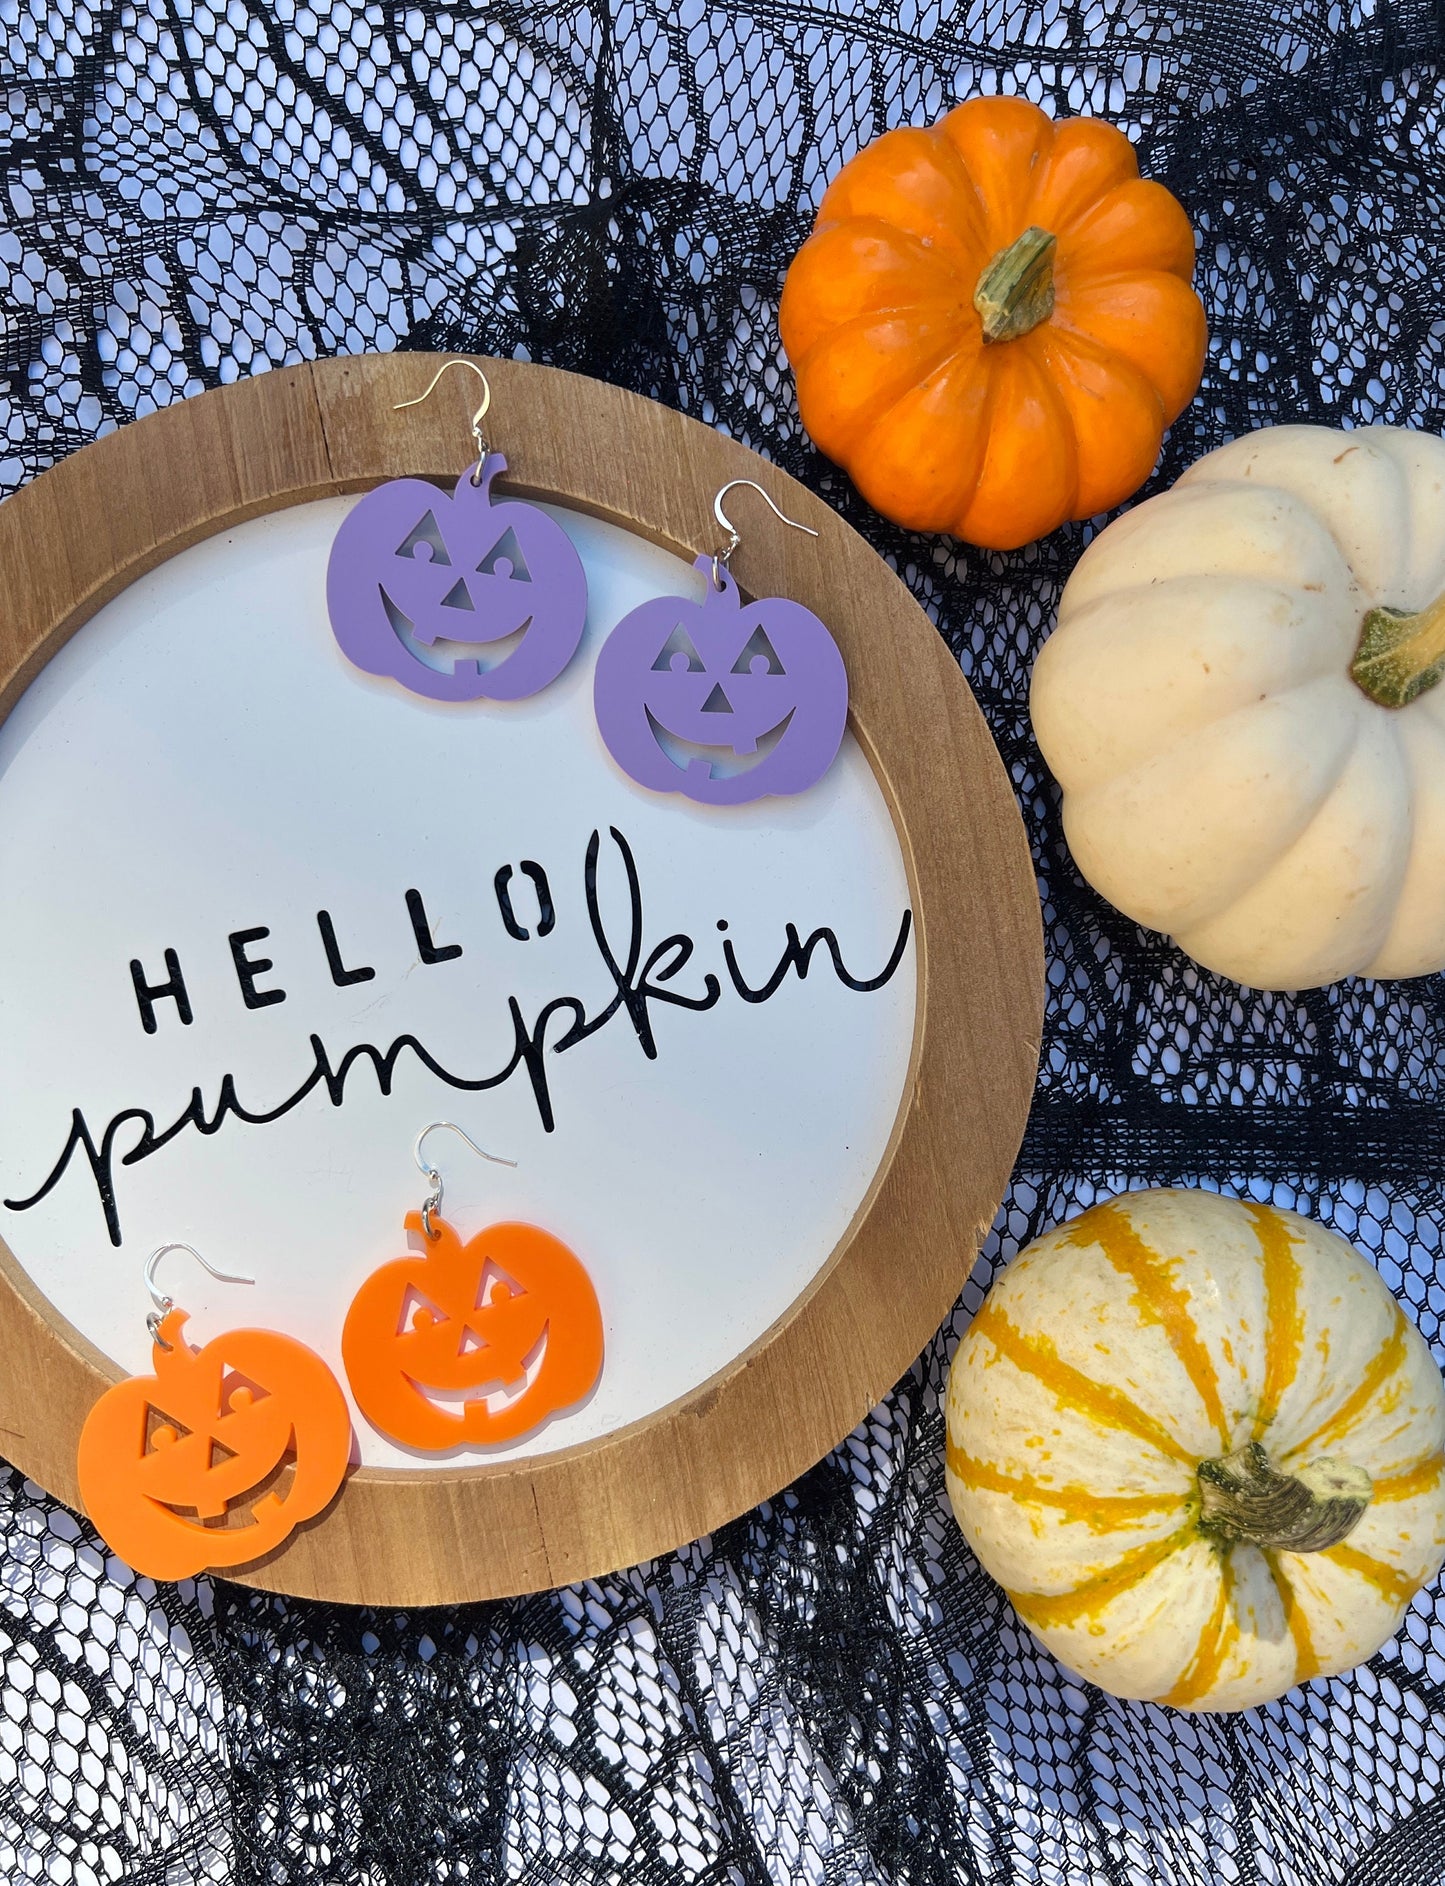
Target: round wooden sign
{"x": 225, "y": 847}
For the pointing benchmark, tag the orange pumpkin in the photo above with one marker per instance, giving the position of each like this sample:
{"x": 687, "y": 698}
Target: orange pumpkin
{"x": 992, "y": 322}
{"x": 464, "y": 1345}
{"x": 167, "y": 1461}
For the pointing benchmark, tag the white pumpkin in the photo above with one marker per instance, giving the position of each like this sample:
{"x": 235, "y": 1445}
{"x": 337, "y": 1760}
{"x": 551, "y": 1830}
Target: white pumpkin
{"x": 1227, "y": 779}
{"x": 1201, "y": 1448}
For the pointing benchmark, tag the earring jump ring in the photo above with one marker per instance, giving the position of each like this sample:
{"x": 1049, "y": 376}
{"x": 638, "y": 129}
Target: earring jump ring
{"x": 478, "y": 416}
{"x": 433, "y": 1201}
{"x": 165, "y": 1304}
{"x": 720, "y": 557}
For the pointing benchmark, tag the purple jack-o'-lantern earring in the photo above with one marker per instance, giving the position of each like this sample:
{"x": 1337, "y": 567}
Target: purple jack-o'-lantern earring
{"x": 458, "y": 598}
{"x": 722, "y": 701}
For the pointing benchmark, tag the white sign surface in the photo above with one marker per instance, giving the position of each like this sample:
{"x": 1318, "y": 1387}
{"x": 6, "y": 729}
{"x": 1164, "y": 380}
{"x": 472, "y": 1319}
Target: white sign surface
{"x": 201, "y": 773}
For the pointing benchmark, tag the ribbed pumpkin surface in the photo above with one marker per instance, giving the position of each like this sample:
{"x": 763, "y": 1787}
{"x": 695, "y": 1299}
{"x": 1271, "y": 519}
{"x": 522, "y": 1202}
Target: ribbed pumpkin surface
{"x": 1154, "y": 1333}
{"x": 1226, "y": 780}
{"x": 940, "y": 429}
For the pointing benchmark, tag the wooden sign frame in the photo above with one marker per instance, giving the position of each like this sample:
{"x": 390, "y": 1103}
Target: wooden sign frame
{"x": 98, "y": 521}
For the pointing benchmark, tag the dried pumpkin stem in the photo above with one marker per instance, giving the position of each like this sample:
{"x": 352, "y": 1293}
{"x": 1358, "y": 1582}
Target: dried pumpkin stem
{"x": 1401, "y": 654}
{"x": 1016, "y": 291}
{"x": 1243, "y": 1498}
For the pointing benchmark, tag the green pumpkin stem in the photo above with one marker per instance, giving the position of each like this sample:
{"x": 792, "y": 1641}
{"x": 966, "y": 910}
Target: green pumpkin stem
{"x": 1401, "y": 654}
{"x": 1016, "y": 291}
{"x": 1243, "y": 1498}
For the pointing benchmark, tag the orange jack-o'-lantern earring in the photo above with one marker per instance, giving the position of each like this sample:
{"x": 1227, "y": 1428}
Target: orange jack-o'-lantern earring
{"x": 468, "y": 1344}
{"x": 218, "y": 1456}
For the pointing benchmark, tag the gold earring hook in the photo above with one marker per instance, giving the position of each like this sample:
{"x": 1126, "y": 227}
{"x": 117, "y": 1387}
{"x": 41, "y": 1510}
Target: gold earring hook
{"x": 433, "y": 1202}
{"x": 720, "y": 557}
{"x": 478, "y": 438}
{"x": 164, "y": 1304}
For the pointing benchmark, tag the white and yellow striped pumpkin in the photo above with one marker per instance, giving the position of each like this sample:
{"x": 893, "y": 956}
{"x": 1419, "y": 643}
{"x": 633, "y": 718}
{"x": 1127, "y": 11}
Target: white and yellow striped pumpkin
{"x": 1201, "y": 1448}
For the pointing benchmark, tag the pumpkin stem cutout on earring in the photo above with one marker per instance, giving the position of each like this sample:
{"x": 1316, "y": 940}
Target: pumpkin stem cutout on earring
{"x": 470, "y": 1344}
{"x": 170, "y": 1463}
{"x": 458, "y": 598}
{"x": 721, "y": 701}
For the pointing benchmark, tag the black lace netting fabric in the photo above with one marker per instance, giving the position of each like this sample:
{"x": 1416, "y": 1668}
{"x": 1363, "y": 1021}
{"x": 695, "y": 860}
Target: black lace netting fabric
{"x": 828, "y": 1690}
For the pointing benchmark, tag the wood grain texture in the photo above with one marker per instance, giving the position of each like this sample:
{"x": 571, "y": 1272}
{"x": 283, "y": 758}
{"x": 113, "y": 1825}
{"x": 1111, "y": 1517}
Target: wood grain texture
{"x": 96, "y": 522}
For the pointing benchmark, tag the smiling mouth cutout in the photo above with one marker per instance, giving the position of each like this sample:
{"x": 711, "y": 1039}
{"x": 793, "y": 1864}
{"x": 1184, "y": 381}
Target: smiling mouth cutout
{"x": 494, "y": 1394}
{"x": 239, "y": 1515}
{"x": 719, "y": 762}
{"x": 440, "y": 652}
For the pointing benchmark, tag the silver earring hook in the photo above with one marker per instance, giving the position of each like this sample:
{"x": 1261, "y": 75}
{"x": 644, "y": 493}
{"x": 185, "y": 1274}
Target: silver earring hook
{"x": 164, "y": 1304}
{"x": 720, "y": 557}
{"x": 433, "y": 1201}
{"x": 478, "y": 438}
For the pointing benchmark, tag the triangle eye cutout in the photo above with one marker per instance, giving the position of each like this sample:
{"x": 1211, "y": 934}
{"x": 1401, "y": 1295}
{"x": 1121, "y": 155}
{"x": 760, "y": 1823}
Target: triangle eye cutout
{"x": 505, "y": 558}
{"x": 496, "y": 1286}
{"x": 679, "y": 643}
{"x": 425, "y": 542}
{"x": 458, "y": 596}
{"x": 418, "y": 1313}
{"x": 758, "y": 651}
{"x": 239, "y": 1392}
{"x": 162, "y": 1430}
